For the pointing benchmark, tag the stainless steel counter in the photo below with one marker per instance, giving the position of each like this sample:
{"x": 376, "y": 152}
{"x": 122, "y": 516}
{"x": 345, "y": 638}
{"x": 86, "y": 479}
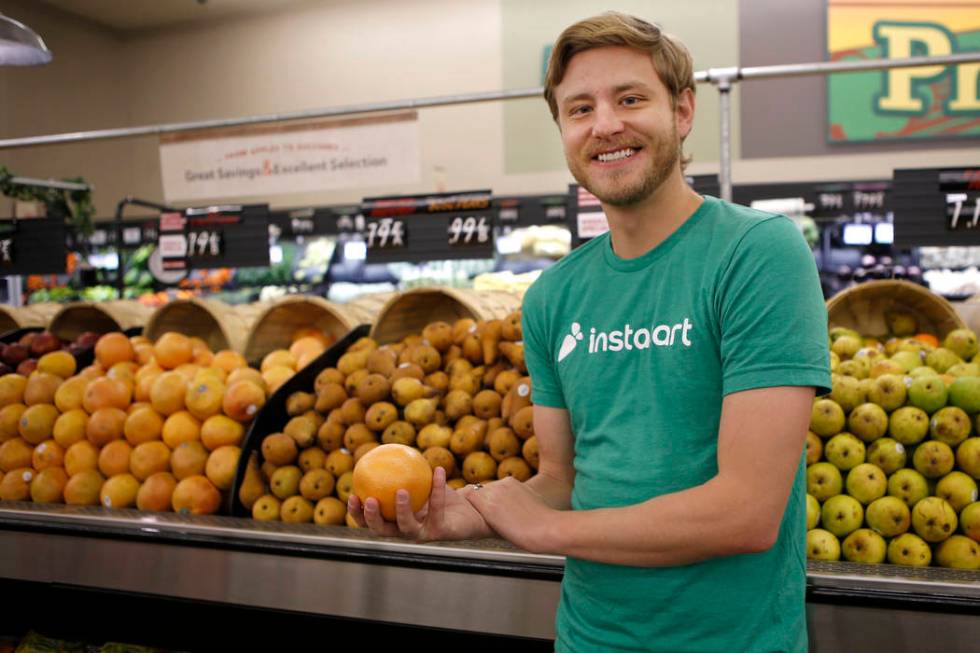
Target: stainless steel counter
{"x": 484, "y": 586}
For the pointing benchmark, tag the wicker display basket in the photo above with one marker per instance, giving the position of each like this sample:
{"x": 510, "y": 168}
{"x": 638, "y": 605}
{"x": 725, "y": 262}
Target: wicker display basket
{"x": 218, "y": 324}
{"x": 34, "y": 315}
{"x": 864, "y": 308}
{"x": 276, "y": 322}
{"x": 411, "y": 311}
{"x": 368, "y": 307}
{"x": 76, "y": 318}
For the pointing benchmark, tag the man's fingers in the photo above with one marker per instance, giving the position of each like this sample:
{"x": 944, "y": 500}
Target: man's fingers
{"x": 437, "y": 498}
{"x": 377, "y": 524}
{"x": 356, "y": 511}
{"x": 407, "y": 523}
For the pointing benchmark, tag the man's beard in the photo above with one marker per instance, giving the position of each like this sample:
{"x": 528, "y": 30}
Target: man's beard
{"x": 664, "y": 154}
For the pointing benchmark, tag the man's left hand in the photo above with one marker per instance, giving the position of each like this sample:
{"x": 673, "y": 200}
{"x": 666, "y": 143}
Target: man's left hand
{"x": 515, "y": 512}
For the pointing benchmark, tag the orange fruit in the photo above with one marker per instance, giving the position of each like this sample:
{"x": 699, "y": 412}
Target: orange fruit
{"x": 927, "y": 338}
{"x": 156, "y": 492}
{"x": 243, "y": 400}
{"x": 83, "y": 488}
{"x": 41, "y": 388}
{"x": 149, "y": 458}
{"x": 70, "y": 393}
{"x": 124, "y": 371}
{"x": 196, "y": 495}
{"x": 204, "y": 396}
{"x": 114, "y": 458}
{"x": 229, "y": 361}
{"x": 222, "y": 465}
{"x": 37, "y": 423}
{"x": 12, "y": 388}
{"x": 179, "y": 428}
{"x": 81, "y": 456}
{"x": 305, "y": 346}
{"x": 277, "y": 375}
{"x": 143, "y": 425}
{"x": 105, "y": 425}
{"x": 384, "y": 470}
{"x": 69, "y": 428}
{"x": 189, "y": 459}
{"x": 113, "y": 348}
{"x": 16, "y": 484}
{"x": 48, "y": 454}
{"x": 119, "y": 491}
{"x": 221, "y": 430}
{"x": 10, "y": 421}
{"x": 15, "y": 454}
{"x": 49, "y": 485}
{"x": 278, "y": 358}
{"x": 173, "y": 349}
{"x": 59, "y": 363}
{"x": 167, "y": 393}
{"x": 104, "y": 392}
{"x": 144, "y": 352}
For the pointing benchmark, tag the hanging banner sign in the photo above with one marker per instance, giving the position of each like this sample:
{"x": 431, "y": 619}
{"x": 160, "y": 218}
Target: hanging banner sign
{"x": 903, "y": 103}
{"x": 239, "y": 162}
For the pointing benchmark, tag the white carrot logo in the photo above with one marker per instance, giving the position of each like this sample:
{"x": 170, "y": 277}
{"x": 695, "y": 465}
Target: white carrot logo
{"x": 570, "y": 342}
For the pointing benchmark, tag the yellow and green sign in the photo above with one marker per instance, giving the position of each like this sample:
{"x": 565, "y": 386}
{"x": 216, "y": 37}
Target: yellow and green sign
{"x": 904, "y": 103}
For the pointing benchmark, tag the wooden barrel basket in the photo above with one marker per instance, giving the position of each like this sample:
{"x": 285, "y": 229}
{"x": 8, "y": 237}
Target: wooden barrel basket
{"x": 865, "y": 308}
{"x": 76, "y": 318}
{"x": 410, "y": 311}
{"x": 275, "y": 324}
{"x": 218, "y": 324}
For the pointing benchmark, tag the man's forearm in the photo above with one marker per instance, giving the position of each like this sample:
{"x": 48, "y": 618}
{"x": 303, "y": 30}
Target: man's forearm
{"x": 553, "y": 490}
{"x": 703, "y": 522}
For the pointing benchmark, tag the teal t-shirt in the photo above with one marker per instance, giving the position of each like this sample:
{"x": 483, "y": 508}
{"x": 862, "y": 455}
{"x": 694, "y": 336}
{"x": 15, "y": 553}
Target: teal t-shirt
{"x": 641, "y": 353}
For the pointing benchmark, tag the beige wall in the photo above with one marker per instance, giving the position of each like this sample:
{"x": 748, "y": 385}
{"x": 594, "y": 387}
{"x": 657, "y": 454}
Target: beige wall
{"x": 355, "y": 51}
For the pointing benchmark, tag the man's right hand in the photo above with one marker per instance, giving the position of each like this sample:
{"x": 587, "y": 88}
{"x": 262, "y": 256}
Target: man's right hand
{"x": 447, "y": 515}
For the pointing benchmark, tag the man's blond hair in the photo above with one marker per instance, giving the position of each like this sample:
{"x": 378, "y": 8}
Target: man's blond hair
{"x": 671, "y": 59}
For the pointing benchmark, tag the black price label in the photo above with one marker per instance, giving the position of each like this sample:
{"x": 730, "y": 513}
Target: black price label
{"x": 962, "y": 211}
{"x": 301, "y": 226}
{"x": 869, "y": 200}
{"x": 206, "y": 243}
{"x": 385, "y": 233}
{"x": 6, "y": 252}
{"x": 469, "y": 230}
{"x": 831, "y": 201}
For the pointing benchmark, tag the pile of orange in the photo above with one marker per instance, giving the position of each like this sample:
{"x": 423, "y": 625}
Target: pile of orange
{"x": 156, "y": 426}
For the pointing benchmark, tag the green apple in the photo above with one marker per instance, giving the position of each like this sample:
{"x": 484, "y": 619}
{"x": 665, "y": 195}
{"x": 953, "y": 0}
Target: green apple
{"x": 866, "y": 482}
{"x": 842, "y": 515}
{"x": 909, "y": 360}
{"x": 968, "y": 457}
{"x": 888, "y": 454}
{"x": 891, "y": 346}
{"x": 812, "y": 512}
{"x": 928, "y": 393}
{"x": 923, "y": 372}
{"x": 908, "y": 485}
{"x": 836, "y": 332}
{"x": 868, "y": 421}
{"x": 826, "y": 418}
{"x": 844, "y": 451}
{"x": 901, "y": 322}
{"x": 970, "y": 521}
{"x": 864, "y": 545}
{"x": 914, "y": 345}
{"x": 886, "y": 366}
{"x": 965, "y": 393}
{"x": 958, "y": 552}
{"x": 962, "y": 342}
{"x": 950, "y": 425}
{"x": 933, "y": 519}
{"x": 846, "y": 346}
{"x": 834, "y": 362}
{"x": 814, "y": 448}
{"x": 909, "y": 549}
{"x": 964, "y": 369}
{"x": 855, "y": 368}
{"x": 908, "y": 425}
{"x": 958, "y": 489}
{"x": 941, "y": 359}
{"x": 822, "y": 545}
{"x": 933, "y": 459}
{"x": 888, "y": 516}
{"x": 823, "y": 481}
{"x": 847, "y": 392}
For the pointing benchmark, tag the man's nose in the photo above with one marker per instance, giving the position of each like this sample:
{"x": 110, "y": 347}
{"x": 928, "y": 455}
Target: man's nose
{"x": 607, "y": 121}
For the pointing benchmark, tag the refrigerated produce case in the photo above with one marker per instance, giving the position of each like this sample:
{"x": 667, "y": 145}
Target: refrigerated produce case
{"x": 232, "y": 583}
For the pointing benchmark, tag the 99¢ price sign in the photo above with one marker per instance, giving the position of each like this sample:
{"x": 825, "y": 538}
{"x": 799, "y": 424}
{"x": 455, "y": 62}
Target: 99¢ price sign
{"x": 469, "y": 230}
{"x": 205, "y": 243}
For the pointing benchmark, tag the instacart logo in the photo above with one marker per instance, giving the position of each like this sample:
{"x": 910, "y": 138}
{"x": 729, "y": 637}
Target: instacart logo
{"x": 627, "y": 339}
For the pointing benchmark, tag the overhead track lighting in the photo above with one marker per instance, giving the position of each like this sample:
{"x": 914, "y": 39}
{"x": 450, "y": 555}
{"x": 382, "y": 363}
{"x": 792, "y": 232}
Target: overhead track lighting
{"x": 20, "y": 45}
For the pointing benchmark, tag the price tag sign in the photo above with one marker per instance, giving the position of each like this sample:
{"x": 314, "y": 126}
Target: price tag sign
{"x": 215, "y": 237}
{"x": 937, "y": 207}
{"x": 204, "y": 243}
{"x": 586, "y": 220}
{"x": 469, "y": 230}
{"x": 428, "y": 227}
{"x": 33, "y": 246}
{"x": 385, "y": 233}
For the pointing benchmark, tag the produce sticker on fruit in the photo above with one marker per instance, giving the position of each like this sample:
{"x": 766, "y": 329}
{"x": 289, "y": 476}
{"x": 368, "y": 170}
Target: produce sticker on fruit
{"x": 286, "y": 158}
{"x": 903, "y": 103}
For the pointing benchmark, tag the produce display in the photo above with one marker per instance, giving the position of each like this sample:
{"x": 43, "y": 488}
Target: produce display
{"x": 24, "y": 355}
{"x": 156, "y": 426}
{"x": 457, "y": 393}
{"x": 893, "y": 451}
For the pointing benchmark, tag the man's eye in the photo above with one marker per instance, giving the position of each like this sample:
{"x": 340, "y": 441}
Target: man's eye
{"x": 579, "y": 110}
{"x": 631, "y": 99}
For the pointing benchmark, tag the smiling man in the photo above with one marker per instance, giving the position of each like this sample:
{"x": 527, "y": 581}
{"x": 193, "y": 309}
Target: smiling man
{"x": 673, "y": 365}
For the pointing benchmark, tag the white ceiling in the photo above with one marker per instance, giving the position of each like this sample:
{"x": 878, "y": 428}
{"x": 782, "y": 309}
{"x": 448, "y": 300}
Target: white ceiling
{"x": 132, "y": 15}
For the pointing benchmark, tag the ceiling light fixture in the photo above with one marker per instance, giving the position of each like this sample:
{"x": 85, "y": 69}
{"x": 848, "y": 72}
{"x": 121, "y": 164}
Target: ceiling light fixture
{"x": 20, "y": 45}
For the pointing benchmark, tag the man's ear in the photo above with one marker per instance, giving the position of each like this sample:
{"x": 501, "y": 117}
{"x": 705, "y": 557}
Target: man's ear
{"x": 684, "y": 112}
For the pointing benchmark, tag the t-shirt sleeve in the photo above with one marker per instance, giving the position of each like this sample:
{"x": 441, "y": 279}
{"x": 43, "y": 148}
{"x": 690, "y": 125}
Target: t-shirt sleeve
{"x": 772, "y": 314}
{"x": 545, "y": 385}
